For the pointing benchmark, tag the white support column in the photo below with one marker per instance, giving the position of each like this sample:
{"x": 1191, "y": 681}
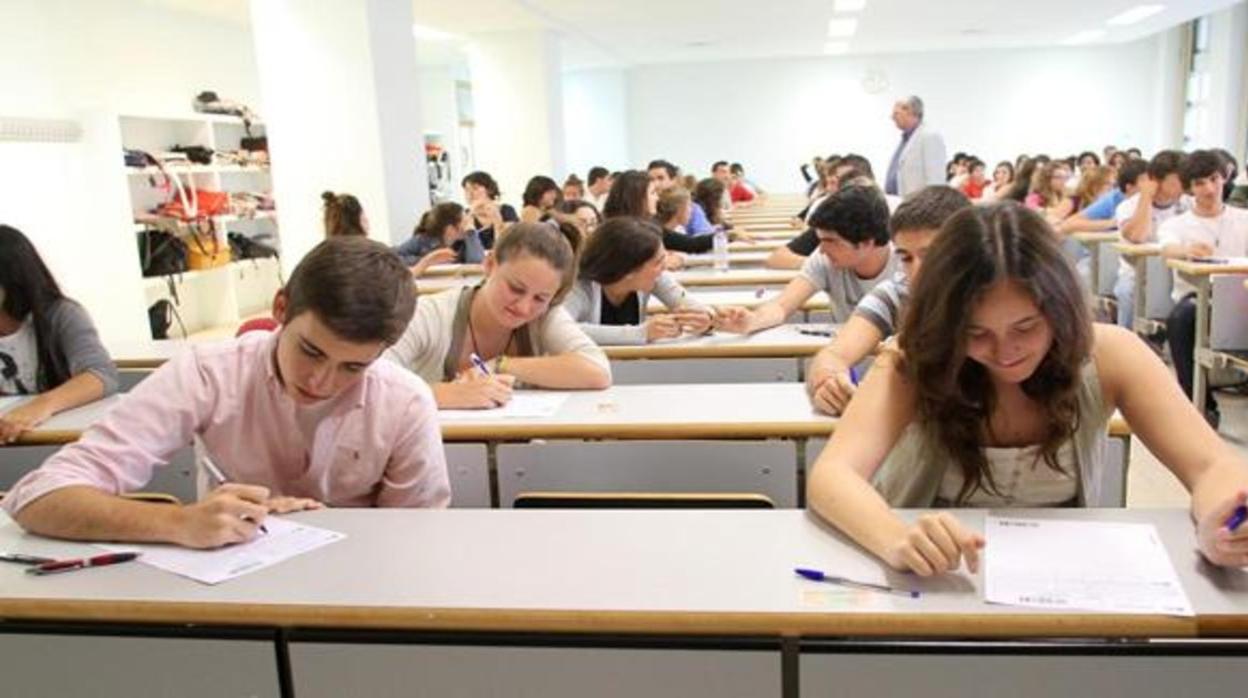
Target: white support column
{"x": 1228, "y": 78}
{"x": 339, "y": 85}
{"x": 517, "y": 93}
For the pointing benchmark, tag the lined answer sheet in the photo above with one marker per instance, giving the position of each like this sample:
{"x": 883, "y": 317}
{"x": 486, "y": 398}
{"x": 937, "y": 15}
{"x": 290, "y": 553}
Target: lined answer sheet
{"x": 285, "y": 540}
{"x": 1083, "y": 565}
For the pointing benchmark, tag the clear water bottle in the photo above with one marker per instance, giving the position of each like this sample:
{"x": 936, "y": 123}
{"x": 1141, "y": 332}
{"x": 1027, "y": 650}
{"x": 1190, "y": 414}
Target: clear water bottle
{"x": 719, "y": 250}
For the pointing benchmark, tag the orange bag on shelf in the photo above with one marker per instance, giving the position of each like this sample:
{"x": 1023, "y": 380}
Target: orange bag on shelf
{"x": 205, "y": 251}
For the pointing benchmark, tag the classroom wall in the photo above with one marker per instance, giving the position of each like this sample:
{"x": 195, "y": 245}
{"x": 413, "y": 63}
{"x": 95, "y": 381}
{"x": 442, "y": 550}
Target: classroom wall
{"x": 87, "y": 61}
{"x": 773, "y": 115}
{"x": 595, "y": 104}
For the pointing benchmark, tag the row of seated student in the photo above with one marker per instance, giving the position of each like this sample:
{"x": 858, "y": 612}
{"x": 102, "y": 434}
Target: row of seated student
{"x": 996, "y": 392}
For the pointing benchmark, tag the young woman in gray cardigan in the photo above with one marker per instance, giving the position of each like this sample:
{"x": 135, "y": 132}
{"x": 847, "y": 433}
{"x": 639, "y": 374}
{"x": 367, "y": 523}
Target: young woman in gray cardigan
{"x": 620, "y": 269}
{"x": 48, "y": 346}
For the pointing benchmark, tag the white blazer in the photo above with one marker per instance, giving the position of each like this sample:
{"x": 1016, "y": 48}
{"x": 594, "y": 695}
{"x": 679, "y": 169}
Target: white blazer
{"x": 922, "y": 161}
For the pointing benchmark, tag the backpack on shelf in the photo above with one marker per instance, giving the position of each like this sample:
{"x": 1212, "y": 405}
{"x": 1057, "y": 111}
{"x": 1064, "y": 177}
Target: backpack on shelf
{"x": 161, "y": 253}
{"x": 244, "y": 247}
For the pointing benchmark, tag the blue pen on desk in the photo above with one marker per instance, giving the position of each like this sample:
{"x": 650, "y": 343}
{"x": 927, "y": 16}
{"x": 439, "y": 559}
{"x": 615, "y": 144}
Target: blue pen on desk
{"x": 1237, "y": 517}
{"x": 817, "y": 576}
{"x": 476, "y": 361}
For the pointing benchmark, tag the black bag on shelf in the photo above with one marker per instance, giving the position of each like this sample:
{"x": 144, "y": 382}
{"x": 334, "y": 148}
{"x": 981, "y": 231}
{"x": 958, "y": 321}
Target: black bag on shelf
{"x": 195, "y": 153}
{"x": 244, "y": 247}
{"x": 161, "y": 254}
{"x": 160, "y": 317}
{"x": 254, "y": 143}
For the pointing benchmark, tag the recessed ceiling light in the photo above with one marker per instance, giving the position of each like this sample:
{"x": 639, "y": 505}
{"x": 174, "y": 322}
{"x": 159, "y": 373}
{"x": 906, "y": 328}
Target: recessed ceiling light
{"x": 1138, "y": 13}
{"x": 430, "y": 34}
{"x": 849, "y": 5}
{"x": 842, "y": 27}
{"x": 836, "y": 48}
{"x": 1085, "y": 37}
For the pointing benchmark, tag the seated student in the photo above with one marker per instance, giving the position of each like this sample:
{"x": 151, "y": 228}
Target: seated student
{"x": 541, "y": 195}
{"x": 443, "y": 236}
{"x": 489, "y": 218}
{"x": 599, "y": 182}
{"x": 664, "y": 175}
{"x": 343, "y": 215}
{"x": 793, "y": 254}
{"x": 1210, "y": 228}
{"x": 914, "y": 227}
{"x": 998, "y": 395}
{"x": 573, "y": 188}
{"x": 975, "y": 182}
{"x": 48, "y": 345}
{"x": 1157, "y": 199}
{"x": 826, "y": 185}
{"x": 634, "y": 193}
{"x": 1048, "y": 195}
{"x": 672, "y": 211}
{"x": 1002, "y": 180}
{"x": 709, "y": 195}
{"x": 738, "y": 190}
{"x": 512, "y": 321}
{"x": 582, "y": 214}
{"x": 294, "y": 418}
{"x": 738, "y": 173}
{"x": 620, "y": 268}
{"x": 1099, "y": 215}
{"x": 1093, "y": 184}
{"x": 854, "y": 256}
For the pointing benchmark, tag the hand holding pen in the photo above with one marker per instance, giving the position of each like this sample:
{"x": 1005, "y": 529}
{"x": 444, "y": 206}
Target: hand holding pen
{"x": 834, "y": 393}
{"x": 1221, "y": 535}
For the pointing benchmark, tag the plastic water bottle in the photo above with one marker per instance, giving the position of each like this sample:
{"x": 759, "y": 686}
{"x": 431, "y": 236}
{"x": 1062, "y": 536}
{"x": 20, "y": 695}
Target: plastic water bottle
{"x": 719, "y": 250}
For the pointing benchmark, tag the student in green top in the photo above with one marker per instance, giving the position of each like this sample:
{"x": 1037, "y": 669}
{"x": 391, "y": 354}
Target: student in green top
{"x": 998, "y": 394}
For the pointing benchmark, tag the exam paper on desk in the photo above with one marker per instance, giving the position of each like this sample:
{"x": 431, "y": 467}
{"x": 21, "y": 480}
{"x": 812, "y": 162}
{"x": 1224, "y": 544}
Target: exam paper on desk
{"x": 285, "y": 540}
{"x": 523, "y": 405}
{"x": 1087, "y": 565}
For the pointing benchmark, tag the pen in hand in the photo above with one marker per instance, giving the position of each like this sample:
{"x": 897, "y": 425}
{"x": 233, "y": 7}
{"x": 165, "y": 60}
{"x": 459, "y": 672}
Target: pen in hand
{"x": 480, "y": 364}
{"x": 221, "y": 479}
{"x": 1237, "y": 518}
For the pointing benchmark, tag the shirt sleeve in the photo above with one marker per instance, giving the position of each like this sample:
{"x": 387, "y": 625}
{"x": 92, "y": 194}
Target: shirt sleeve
{"x": 879, "y": 307}
{"x": 815, "y": 270}
{"x": 416, "y": 475}
{"x": 117, "y": 455}
{"x": 804, "y": 244}
{"x": 77, "y": 338}
{"x": 1171, "y": 232}
{"x": 1100, "y": 210}
{"x": 698, "y": 222}
{"x": 692, "y": 244}
{"x": 412, "y": 249}
{"x": 1126, "y": 209}
{"x": 416, "y": 340}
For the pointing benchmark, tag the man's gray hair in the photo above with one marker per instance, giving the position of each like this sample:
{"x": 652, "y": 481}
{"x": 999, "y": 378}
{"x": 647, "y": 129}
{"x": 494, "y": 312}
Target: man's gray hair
{"x": 915, "y": 105}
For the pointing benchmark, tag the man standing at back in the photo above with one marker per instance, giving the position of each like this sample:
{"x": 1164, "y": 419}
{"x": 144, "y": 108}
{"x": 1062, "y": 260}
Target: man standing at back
{"x": 919, "y": 160}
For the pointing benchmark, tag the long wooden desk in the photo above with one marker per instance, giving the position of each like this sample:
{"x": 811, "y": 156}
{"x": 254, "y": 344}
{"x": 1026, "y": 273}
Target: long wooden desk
{"x": 703, "y": 277}
{"x": 1201, "y": 276}
{"x": 64, "y": 427}
{"x": 548, "y": 602}
{"x": 746, "y": 299}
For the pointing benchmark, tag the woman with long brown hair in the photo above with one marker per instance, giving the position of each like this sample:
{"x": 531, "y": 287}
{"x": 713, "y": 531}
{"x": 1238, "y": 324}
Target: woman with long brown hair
{"x": 998, "y": 394}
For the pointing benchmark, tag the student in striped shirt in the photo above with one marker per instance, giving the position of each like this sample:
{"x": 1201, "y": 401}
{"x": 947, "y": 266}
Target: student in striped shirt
{"x": 913, "y": 228}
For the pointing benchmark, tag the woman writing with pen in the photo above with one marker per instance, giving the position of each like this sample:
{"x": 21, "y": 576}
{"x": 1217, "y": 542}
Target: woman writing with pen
{"x": 621, "y": 267}
{"x": 475, "y": 344}
{"x": 998, "y": 394}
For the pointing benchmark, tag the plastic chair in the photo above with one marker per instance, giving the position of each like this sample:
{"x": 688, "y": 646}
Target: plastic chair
{"x": 257, "y": 324}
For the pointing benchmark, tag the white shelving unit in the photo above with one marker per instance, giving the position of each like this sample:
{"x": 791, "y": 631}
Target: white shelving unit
{"x": 210, "y": 302}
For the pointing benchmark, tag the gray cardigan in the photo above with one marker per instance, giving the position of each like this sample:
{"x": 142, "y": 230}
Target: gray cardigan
{"x": 74, "y": 335}
{"x": 584, "y": 304}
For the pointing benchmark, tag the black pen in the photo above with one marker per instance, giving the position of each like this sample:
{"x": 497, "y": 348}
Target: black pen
{"x": 814, "y": 333}
{"x": 21, "y": 559}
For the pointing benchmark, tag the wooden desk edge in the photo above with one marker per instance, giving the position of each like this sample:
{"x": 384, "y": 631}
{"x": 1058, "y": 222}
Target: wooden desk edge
{"x": 738, "y": 351}
{"x": 707, "y": 431}
{"x": 784, "y": 624}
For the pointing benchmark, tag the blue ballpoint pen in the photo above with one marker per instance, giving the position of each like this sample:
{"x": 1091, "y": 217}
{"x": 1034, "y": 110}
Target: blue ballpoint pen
{"x": 476, "y": 361}
{"x": 1237, "y": 517}
{"x": 817, "y": 576}
{"x": 853, "y": 375}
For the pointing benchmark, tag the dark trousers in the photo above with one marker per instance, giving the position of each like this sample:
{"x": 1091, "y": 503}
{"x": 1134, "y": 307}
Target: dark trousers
{"x": 1181, "y": 333}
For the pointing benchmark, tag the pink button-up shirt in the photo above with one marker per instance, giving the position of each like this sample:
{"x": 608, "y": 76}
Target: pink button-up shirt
{"x": 378, "y": 443}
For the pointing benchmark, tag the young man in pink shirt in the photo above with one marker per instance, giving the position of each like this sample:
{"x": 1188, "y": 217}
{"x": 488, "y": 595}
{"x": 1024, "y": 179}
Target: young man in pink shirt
{"x": 298, "y": 418}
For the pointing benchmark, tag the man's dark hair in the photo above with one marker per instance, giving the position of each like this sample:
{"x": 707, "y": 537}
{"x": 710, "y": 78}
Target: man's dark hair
{"x": 718, "y": 164}
{"x": 1096, "y": 159}
{"x": 1200, "y": 164}
{"x": 1165, "y": 163}
{"x": 859, "y": 163}
{"x": 537, "y": 187}
{"x": 736, "y": 168}
{"x": 1130, "y": 172}
{"x": 672, "y": 170}
{"x": 357, "y": 287}
{"x": 596, "y": 173}
{"x": 856, "y": 214}
{"x": 927, "y": 209}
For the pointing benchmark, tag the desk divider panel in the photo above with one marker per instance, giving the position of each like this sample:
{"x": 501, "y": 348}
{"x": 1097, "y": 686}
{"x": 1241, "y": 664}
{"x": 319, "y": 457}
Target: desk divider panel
{"x": 763, "y": 467}
{"x": 1157, "y": 286}
{"x": 468, "y": 467}
{"x": 734, "y": 370}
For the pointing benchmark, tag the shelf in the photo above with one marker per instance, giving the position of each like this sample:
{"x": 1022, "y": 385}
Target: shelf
{"x": 197, "y": 169}
{"x": 223, "y": 119}
{"x": 140, "y": 226}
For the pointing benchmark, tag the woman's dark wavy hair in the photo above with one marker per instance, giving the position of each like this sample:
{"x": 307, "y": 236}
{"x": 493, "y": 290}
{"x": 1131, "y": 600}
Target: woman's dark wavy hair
{"x": 628, "y": 196}
{"x": 30, "y": 289}
{"x": 709, "y": 194}
{"x": 975, "y": 249}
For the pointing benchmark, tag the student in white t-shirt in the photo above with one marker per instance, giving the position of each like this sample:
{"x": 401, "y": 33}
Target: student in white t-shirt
{"x": 1210, "y": 229}
{"x": 1158, "y": 198}
{"x": 854, "y": 256}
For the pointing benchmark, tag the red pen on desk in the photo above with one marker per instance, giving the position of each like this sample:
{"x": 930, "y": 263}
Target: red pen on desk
{"x": 80, "y": 563}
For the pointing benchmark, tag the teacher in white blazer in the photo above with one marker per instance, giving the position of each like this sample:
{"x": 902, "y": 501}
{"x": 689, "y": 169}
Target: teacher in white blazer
{"x": 919, "y": 160}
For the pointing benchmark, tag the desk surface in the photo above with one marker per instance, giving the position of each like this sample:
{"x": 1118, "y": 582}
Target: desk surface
{"x": 734, "y": 277}
{"x": 735, "y": 259}
{"x": 64, "y": 427}
{"x": 1088, "y": 238}
{"x": 745, "y": 299}
{"x": 777, "y": 342}
{"x": 764, "y": 245}
{"x": 1130, "y": 249}
{"x": 1234, "y": 265}
{"x": 653, "y": 572}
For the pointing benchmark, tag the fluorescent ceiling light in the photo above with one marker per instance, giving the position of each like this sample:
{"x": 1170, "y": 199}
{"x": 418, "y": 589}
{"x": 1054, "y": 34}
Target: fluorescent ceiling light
{"x": 849, "y": 5}
{"x": 1138, "y": 13}
{"x": 842, "y": 27}
{"x": 836, "y": 48}
{"x": 1085, "y": 37}
{"x": 431, "y": 34}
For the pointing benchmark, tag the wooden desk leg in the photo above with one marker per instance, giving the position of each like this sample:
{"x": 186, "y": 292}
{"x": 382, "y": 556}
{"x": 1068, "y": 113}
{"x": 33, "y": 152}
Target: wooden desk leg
{"x": 1200, "y": 373}
{"x": 1140, "y": 302}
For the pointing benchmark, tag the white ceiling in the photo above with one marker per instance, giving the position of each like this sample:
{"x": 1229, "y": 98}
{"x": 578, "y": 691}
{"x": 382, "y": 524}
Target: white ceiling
{"x": 630, "y": 32}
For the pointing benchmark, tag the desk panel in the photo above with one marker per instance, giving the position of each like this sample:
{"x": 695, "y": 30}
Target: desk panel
{"x": 468, "y": 467}
{"x": 664, "y": 371}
